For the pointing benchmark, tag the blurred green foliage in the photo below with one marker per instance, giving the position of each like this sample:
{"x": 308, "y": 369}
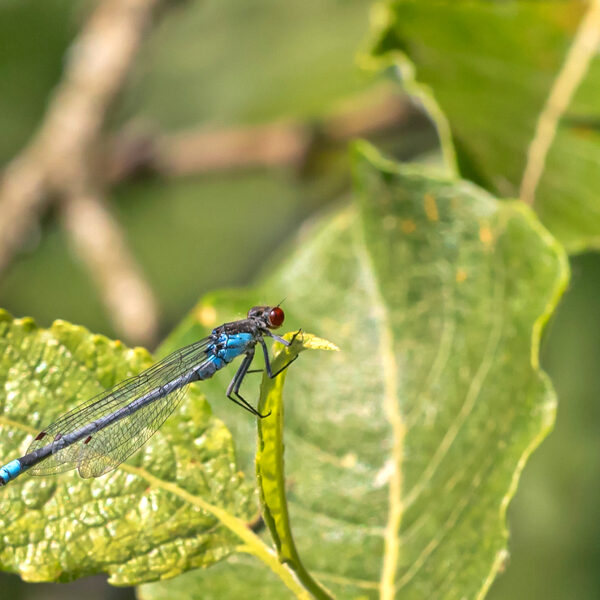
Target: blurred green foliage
{"x": 208, "y": 64}
{"x": 492, "y": 98}
{"x": 33, "y": 40}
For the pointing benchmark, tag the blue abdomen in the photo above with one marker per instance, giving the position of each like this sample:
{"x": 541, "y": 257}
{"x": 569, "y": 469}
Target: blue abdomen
{"x": 10, "y": 471}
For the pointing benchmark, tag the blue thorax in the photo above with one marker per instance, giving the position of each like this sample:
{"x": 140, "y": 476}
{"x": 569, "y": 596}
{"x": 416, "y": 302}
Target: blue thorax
{"x": 230, "y": 345}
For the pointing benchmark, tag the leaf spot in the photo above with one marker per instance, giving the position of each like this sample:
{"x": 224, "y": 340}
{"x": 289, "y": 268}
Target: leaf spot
{"x": 407, "y": 225}
{"x": 431, "y": 209}
{"x": 485, "y": 235}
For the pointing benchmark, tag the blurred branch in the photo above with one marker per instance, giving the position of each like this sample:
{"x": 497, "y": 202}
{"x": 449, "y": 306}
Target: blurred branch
{"x": 59, "y": 164}
{"x": 98, "y": 240}
{"x": 285, "y": 143}
{"x": 64, "y": 161}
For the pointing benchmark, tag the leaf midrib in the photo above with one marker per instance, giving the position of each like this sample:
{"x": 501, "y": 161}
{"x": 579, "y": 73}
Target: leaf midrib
{"x": 390, "y": 403}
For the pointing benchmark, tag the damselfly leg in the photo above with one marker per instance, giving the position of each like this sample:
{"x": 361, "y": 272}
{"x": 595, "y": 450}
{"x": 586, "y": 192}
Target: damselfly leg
{"x": 267, "y": 360}
{"x": 266, "y": 353}
{"x": 284, "y": 341}
{"x": 233, "y": 389}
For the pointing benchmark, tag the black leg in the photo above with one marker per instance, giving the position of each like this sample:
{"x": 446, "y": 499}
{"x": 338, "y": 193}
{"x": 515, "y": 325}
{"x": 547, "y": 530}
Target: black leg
{"x": 239, "y": 374}
{"x": 239, "y": 399}
{"x": 234, "y": 387}
{"x": 247, "y": 407}
{"x": 268, "y": 362}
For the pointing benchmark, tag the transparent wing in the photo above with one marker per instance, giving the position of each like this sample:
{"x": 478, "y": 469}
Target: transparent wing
{"x": 107, "y": 448}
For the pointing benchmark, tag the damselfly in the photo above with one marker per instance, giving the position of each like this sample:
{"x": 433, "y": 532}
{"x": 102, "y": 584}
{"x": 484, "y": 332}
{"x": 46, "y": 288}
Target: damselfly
{"x": 98, "y": 435}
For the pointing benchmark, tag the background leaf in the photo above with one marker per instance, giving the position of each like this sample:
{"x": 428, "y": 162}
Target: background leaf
{"x": 492, "y": 83}
{"x": 404, "y": 449}
{"x": 63, "y": 527}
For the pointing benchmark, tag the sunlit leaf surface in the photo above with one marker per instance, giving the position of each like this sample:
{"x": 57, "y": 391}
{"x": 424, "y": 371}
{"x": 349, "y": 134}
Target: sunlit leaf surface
{"x": 62, "y": 527}
{"x": 403, "y": 450}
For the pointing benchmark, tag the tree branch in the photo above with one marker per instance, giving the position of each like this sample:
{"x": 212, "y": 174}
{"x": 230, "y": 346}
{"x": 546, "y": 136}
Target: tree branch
{"x": 279, "y": 144}
{"x": 59, "y": 161}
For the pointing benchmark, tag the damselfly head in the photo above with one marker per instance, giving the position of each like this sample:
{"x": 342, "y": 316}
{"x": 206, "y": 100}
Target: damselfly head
{"x": 272, "y": 316}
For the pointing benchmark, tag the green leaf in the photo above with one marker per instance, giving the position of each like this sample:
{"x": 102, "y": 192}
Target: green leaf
{"x": 270, "y": 462}
{"x": 463, "y": 391}
{"x": 173, "y": 506}
{"x": 492, "y": 85}
{"x": 403, "y": 450}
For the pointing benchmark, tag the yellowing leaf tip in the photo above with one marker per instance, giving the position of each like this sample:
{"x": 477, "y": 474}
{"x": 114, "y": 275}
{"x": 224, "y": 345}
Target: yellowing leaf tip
{"x": 316, "y": 343}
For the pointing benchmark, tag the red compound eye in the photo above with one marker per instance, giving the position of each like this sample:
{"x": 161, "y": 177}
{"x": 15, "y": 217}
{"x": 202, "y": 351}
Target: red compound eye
{"x": 276, "y": 317}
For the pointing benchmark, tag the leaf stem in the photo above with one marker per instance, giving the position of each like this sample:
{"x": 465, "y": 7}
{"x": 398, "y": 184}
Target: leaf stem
{"x": 270, "y": 465}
